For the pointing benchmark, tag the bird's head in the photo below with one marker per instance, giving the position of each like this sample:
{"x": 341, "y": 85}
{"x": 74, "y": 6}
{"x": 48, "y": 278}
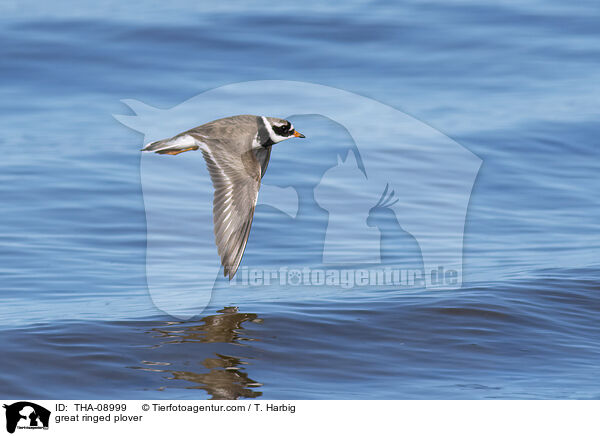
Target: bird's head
{"x": 280, "y": 130}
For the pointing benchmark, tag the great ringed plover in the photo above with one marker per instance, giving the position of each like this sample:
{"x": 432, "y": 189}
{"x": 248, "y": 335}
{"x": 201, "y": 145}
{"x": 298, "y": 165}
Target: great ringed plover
{"x": 237, "y": 151}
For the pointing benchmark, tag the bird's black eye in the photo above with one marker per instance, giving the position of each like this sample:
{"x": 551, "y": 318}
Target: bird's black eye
{"x": 283, "y": 130}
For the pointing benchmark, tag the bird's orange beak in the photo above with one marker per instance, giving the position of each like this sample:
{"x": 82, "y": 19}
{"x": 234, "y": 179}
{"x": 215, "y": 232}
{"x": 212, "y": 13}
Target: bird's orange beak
{"x": 297, "y": 134}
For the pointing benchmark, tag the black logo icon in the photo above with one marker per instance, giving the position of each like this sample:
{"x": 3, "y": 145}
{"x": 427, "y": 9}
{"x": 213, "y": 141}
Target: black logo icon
{"x": 24, "y": 414}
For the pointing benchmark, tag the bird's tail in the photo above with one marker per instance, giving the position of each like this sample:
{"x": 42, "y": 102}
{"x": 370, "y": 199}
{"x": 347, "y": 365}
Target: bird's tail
{"x": 171, "y": 146}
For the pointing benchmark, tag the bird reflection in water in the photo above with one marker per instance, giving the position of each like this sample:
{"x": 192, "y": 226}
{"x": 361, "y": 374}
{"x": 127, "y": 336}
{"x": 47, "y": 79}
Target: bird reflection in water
{"x": 225, "y": 379}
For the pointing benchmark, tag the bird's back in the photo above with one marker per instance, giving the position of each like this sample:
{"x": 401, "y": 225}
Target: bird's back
{"x": 237, "y": 132}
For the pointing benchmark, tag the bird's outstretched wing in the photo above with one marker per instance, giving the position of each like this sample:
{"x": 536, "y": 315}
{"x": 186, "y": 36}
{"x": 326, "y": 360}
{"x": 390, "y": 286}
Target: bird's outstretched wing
{"x": 236, "y": 180}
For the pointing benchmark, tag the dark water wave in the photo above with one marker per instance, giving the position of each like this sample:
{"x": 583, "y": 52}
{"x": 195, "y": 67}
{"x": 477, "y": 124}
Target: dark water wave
{"x": 522, "y": 339}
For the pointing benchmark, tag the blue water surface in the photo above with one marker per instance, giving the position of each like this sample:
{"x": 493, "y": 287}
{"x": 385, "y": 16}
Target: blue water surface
{"x": 516, "y": 83}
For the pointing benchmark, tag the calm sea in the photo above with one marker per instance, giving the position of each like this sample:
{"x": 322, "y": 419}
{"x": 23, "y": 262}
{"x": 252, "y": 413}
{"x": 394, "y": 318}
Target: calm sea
{"x": 516, "y": 83}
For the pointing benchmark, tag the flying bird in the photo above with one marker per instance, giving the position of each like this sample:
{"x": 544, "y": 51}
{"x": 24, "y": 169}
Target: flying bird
{"x": 237, "y": 151}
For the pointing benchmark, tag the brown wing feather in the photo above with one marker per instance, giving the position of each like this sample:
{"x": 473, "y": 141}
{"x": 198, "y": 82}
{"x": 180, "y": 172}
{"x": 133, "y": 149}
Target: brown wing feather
{"x": 236, "y": 180}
